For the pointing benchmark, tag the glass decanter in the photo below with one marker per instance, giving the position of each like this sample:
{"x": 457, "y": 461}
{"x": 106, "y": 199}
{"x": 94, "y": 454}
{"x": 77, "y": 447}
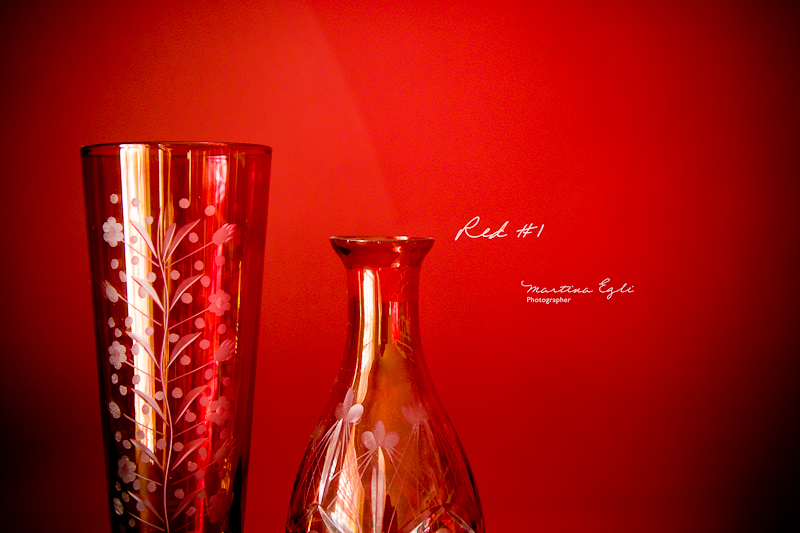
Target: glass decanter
{"x": 384, "y": 457}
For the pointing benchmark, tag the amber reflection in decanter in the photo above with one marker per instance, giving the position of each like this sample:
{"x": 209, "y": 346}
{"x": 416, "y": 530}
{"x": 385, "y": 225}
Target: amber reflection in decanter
{"x": 384, "y": 458}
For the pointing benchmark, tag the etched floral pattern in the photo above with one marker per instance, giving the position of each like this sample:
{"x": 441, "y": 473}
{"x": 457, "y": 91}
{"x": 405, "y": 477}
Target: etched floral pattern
{"x": 347, "y": 411}
{"x": 223, "y": 234}
{"x": 112, "y": 231}
{"x": 219, "y": 302}
{"x": 117, "y": 356}
{"x": 378, "y": 438}
{"x": 384, "y": 462}
{"x": 126, "y": 470}
{"x": 172, "y": 355}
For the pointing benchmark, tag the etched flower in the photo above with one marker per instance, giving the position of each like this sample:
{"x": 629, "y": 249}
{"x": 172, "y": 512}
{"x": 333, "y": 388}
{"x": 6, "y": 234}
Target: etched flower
{"x": 218, "y": 505}
{"x": 414, "y": 415}
{"x": 112, "y": 231}
{"x": 378, "y": 438}
{"x": 220, "y": 302}
{"x": 224, "y": 234}
{"x": 220, "y": 411}
{"x": 224, "y": 351}
{"x": 347, "y": 411}
{"x": 117, "y": 356}
{"x": 126, "y": 469}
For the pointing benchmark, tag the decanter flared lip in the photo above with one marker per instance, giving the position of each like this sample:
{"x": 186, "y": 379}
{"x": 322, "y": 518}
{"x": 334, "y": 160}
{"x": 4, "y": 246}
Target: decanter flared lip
{"x": 377, "y": 251}
{"x": 380, "y": 238}
{"x": 115, "y": 146}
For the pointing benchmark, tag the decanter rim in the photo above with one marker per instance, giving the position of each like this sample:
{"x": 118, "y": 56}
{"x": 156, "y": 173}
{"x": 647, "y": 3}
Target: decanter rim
{"x": 380, "y": 238}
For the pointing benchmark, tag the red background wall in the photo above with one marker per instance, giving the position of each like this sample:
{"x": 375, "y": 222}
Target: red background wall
{"x": 658, "y": 145}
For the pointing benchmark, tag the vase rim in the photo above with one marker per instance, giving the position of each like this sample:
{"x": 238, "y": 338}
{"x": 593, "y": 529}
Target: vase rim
{"x": 202, "y": 144}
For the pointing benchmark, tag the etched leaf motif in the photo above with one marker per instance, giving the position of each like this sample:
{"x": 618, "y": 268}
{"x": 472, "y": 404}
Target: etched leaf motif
{"x": 147, "y": 451}
{"x": 149, "y": 290}
{"x": 146, "y": 236}
{"x": 183, "y": 287}
{"x": 146, "y": 504}
{"x": 151, "y": 402}
{"x": 189, "y": 448}
{"x": 193, "y": 394}
{"x": 168, "y": 237}
{"x": 179, "y": 237}
{"x": 145, "y": 345}
{"x": 181, "y": 345}
{"x": 186, "y": 502}
{"x": 333, "y": 445}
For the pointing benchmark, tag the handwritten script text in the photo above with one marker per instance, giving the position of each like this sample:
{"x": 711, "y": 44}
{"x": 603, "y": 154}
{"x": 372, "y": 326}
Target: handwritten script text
{"x": 604, "y": 288}
{"x": 523, "y": 232}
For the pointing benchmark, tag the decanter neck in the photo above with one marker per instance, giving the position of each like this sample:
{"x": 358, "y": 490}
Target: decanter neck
{"x": 383, "y": 296}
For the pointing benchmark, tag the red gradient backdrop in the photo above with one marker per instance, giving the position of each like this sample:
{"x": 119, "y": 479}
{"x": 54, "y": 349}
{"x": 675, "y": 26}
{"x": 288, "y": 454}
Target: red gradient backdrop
{"x": 658, "y": 145}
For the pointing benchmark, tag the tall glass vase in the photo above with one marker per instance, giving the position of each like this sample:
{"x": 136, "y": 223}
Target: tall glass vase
{"x": 384, "y": 457}
{"x": 176, "y": 234}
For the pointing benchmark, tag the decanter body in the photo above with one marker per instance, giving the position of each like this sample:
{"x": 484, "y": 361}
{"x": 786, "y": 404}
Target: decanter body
{"x": 384, "y": 457}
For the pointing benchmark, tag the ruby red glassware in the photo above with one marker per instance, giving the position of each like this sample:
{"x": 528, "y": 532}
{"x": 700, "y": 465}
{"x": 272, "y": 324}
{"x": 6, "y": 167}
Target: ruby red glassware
{"x": 176, "y": 235}
{"x": 384, "y": 457}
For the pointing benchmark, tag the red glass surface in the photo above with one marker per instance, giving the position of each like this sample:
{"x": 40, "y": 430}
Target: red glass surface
{"x": 384, "y": 456}
{"x": 176, "y": 235}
